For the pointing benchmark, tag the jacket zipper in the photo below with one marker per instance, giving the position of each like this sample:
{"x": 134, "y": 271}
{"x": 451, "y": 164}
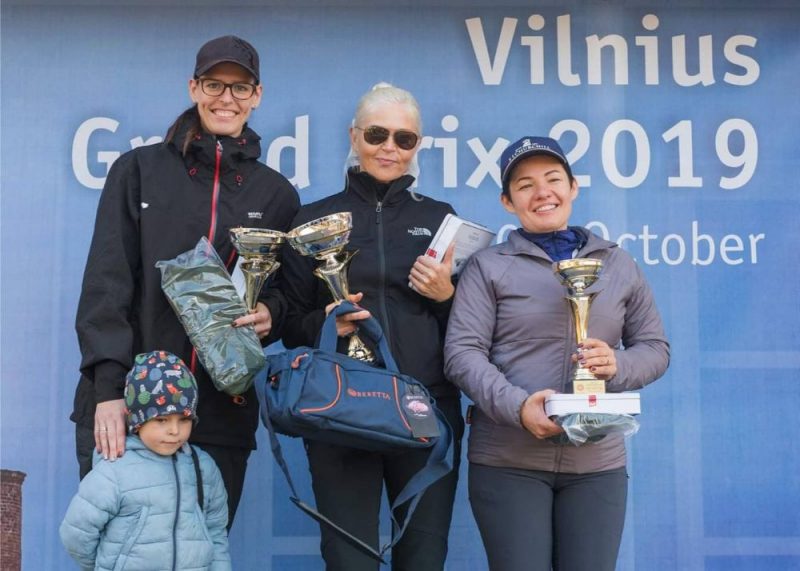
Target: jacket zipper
{"x": 212, "y": 228}
{"x": 177, "y": 511}
{"x": 382, "y": 272}
{"x": 566, "y": 370}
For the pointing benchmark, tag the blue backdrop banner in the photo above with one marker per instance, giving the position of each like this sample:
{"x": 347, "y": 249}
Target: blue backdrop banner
{"x": 681, "y": 121}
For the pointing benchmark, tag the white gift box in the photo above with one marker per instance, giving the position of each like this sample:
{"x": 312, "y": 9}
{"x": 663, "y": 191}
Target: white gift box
{"x": 468, "y": 236}
{"x": 606, "y": 403}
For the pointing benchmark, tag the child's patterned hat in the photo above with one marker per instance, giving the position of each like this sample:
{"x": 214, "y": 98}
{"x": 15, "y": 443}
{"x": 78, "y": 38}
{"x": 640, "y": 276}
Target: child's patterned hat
{"x": 159, "y": 384}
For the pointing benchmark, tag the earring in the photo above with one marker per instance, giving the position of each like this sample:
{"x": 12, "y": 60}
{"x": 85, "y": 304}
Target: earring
{"x": 253, "y": 107}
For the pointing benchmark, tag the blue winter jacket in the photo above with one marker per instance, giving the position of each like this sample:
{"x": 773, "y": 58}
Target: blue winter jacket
{"x": 141, "y": 512}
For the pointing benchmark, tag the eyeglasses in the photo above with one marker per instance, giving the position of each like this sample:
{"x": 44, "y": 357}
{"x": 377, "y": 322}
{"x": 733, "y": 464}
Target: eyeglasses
{"x": 375, "y": 135}
{"x": 215, "y": 88}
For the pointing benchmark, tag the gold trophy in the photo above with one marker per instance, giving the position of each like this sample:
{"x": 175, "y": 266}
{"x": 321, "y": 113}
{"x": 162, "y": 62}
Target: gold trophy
{"x": 325, "y": 239}
{"x": 578, "y": 274}
{"x": 259, "y": 250}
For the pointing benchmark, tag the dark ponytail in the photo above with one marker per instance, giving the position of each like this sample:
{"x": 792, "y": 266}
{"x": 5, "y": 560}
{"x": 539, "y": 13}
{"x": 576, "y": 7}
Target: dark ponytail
{"x": 189, "y": 121}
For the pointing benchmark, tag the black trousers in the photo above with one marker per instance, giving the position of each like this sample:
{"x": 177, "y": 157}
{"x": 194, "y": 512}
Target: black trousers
{"x": 532, "y": 521}
{"x": 232, "y": 464}
{"x": 231, "y": 461}
{"x": 348, "y": 485}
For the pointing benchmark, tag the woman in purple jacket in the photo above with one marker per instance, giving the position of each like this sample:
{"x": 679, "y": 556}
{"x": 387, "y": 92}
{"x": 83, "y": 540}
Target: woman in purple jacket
{"x": 540, "y": 504}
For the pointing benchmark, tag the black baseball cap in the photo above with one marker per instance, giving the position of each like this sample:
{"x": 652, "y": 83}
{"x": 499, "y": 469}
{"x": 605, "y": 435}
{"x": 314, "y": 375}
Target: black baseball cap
{"x": 227, "y": 49}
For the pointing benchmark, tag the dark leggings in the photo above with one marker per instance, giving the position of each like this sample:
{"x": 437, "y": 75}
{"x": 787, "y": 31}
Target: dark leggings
{"x": 231, "y": 461}
{"x": 534, "y": 521}
{"x": 348, "y": 485}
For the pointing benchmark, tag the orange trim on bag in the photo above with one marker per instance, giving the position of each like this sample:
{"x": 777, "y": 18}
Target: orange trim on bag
{"x": 333, "y": 402}
{"x": 397, "y": 402}
{"x": 296, "y": 361}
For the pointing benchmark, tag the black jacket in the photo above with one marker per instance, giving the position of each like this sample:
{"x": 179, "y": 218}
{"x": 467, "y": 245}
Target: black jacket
{"x": 155, "y": 205}
{"x": 389, "y": 234}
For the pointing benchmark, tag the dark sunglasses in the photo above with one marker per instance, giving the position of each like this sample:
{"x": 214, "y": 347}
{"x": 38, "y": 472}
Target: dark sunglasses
{"x": 375, "y": 135}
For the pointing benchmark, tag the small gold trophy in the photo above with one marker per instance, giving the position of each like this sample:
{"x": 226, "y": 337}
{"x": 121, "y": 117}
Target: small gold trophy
{"x": 325, "y": 239}
{"x": 578, "y": 274}
{"x": 259, "y": 250}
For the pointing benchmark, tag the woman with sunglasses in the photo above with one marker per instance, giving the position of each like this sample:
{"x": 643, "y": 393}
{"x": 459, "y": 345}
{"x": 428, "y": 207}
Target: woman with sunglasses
{"x": 410, "y": 295}
{"x": 158, "y": 201}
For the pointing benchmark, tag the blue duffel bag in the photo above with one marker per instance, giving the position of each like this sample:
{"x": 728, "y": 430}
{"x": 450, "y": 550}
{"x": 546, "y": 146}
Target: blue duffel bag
{"x": 323, "y": 395}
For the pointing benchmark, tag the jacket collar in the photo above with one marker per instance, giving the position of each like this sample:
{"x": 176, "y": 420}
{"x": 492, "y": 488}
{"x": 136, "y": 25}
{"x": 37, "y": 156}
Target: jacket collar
{"x": 234, "y": 149}
{"x": 365, "y": 187}
{"x": 517, "y": 245}
{"x": 133, "y": 442}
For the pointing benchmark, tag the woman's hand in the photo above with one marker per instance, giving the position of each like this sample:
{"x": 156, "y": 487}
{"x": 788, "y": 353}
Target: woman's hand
{"x": 598, "y": 357}
{"x": 259, "y": 318}
{"x": 346, "y": 324}
{"x": 431, "y": 278}
{"x": 109, "y": 428}
{"x": 534, "y": 419}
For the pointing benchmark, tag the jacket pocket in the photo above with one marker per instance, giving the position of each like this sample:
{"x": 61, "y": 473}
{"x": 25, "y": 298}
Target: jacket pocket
{"x": 201, "y": 520}
{"x": 203, "y": 553}
{"x": 133, "y": 537}
{"x": 323, "y": 395}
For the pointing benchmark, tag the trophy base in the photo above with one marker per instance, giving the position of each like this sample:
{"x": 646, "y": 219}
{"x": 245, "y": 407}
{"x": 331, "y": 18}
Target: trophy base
{"x": 357, "y": 350}
{"x": 588, "y": 387}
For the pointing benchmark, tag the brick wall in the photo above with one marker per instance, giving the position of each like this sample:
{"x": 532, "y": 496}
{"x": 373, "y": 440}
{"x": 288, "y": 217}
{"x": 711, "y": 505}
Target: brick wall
{"x": 10, "y": 519}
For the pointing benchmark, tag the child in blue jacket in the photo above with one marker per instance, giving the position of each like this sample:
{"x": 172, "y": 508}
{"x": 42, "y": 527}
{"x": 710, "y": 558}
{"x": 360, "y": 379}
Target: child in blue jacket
{"x": 144, "y": 511}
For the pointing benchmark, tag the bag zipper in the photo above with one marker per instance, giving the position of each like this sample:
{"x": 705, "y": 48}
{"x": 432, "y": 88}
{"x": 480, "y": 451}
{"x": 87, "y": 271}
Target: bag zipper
{"x": 397, "y": 402}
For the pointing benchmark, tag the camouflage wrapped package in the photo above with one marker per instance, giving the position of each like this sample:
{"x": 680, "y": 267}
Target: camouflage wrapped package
{"x": 203, "y": 296}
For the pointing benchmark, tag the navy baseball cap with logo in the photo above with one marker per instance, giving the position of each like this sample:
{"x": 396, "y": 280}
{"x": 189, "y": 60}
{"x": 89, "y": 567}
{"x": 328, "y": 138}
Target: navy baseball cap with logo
{"x": 528, "y": 147}
{"x": 229, "y": 49}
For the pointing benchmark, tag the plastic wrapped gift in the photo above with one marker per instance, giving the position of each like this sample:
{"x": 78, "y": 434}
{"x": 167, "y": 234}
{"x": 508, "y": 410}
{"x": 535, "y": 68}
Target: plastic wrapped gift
{"x": 203, "y": 296}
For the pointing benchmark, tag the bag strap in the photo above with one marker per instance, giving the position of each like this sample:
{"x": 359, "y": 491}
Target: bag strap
{"x": 295, "y": 498}
{"x": 439, "y": 464}
{"x": 199, "y": 475}
{"x": 370, "y": 327}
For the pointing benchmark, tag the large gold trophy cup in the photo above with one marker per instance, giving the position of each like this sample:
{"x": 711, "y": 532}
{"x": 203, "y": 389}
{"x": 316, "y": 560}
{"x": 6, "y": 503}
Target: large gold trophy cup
{"x": 259, "y": 250}
{"x": 325, "y": 239}
{"x": 577, "y": 275}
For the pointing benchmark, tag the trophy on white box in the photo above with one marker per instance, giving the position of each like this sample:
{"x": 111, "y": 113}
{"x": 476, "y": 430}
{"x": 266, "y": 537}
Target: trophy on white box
{"x": 577, "y": 275}
{"x": 588, "y": 413}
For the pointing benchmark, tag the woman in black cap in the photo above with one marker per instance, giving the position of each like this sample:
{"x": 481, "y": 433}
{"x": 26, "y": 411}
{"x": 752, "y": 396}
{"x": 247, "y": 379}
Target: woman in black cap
{"x": 540, "y": 502}
{"x": 158, "y": 201}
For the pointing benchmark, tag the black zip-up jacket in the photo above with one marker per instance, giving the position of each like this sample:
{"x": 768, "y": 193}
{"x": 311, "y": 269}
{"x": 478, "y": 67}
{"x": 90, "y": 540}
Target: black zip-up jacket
{"x": 155, "y": 205}
{"x": 390, "y": 229}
